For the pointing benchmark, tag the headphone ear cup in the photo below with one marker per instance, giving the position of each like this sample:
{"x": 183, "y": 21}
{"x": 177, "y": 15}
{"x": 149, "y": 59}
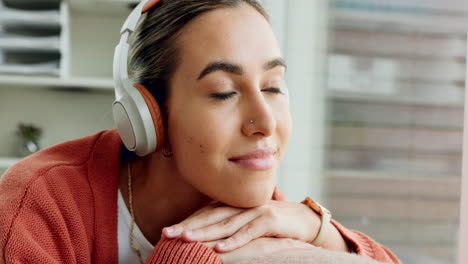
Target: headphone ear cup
{"x": 155, "y": 112}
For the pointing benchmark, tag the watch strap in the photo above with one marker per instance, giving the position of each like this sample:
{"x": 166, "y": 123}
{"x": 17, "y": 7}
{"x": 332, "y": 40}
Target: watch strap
{"x": 325, "y": 224}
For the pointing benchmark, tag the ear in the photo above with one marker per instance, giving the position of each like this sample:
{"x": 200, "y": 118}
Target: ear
{"x": 278, "y": 195}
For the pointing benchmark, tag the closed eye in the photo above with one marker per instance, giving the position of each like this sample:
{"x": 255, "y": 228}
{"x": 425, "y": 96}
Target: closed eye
{"x": 226, "y": 96}
{"x": 222, "y": 96}
{"x": 273, "y": 90}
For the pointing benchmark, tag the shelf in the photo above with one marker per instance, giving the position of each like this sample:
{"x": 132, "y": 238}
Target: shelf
{"x": 431, "y": 24}
{"x": 369, "y": 174}
{"x": 105, "y": 84}
{"x": 363, "y": 124}
{"x": 20, "y": 17}
{"x": 105, "y": 7}
{"x": 346, "y": 70}
{"x": 21, "y": 43}
{"x": 397, "y": 57}
{"x": 50, "y": 68}
{"x": 395, "y": 151}
{"x": 398, "y": 46}
{"x": 379, "y": 99}
{"x": 8, "y": 162}
{"x": 113, "y": 2}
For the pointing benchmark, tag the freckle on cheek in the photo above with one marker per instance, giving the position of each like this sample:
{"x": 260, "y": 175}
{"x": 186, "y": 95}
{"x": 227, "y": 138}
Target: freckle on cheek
{"x": 201, "y": 149}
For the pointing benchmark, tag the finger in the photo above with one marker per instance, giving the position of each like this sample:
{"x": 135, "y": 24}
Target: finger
{"x": 252, "y": 230}
{"x": 210, "y": 206}
{"x": 203, "y": 219}
{"x": 207, "y": 207}
{"x": 222, "y": 229}
{"x": 211, "y": 244}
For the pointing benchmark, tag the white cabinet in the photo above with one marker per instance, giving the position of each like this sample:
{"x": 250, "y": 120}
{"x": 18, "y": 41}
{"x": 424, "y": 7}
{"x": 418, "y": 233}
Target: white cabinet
{"x": 74, "y": 97}
{"x": 33, "y": 38}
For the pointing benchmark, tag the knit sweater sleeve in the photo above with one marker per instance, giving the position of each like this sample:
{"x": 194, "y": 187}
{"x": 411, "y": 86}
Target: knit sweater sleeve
{"x": 36, "y": 227}
{"x": 177, "y": 251}
{"x": 365, "y": 246}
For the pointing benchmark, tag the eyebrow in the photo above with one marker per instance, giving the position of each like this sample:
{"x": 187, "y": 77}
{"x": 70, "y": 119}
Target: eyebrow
{"x": 274, "y": 63}
{"x": 237, "y": 69}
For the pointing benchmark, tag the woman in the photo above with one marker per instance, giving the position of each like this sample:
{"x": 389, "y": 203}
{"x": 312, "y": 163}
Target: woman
{"x": 202, "y": 194}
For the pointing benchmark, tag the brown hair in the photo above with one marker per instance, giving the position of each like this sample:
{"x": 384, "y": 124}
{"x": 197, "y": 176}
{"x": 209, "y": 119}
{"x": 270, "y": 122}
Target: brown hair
{"x": 154, "y": 53}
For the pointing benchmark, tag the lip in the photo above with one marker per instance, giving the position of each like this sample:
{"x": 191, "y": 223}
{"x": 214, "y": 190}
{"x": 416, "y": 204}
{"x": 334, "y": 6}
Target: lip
{"x": 260, "y": 159}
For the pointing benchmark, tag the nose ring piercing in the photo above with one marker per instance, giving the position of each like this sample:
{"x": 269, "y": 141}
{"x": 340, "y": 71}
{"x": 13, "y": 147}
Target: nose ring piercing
{"x": 251, "y": 121}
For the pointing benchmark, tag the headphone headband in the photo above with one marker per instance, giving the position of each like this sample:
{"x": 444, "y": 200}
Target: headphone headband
{"x": 121, "y": 51}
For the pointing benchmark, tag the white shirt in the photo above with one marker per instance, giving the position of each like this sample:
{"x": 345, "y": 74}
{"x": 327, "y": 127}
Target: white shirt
{"x": 124, "y": 220}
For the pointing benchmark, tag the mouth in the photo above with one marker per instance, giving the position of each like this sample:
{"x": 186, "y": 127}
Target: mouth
{"x": 260, "y": 159}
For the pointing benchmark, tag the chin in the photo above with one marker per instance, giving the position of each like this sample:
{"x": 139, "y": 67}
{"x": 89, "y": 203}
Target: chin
{"x": 252, "y": 196}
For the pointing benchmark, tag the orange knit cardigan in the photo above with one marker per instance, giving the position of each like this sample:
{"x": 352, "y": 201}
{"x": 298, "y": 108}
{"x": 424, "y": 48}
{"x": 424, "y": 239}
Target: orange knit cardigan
{"x": 60, "y": 206}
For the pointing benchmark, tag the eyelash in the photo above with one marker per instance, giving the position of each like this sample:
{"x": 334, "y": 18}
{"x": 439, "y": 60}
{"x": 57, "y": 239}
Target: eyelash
{"x": 223, "y": 96}
{"x": 226, "y": 96}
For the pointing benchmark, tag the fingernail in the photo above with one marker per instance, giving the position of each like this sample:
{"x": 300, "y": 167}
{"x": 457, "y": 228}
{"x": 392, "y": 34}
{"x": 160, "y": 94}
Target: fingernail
{"x": 169, "y": 230}
{"x": 190, "y": 234}
{"x": 222, "y": 245}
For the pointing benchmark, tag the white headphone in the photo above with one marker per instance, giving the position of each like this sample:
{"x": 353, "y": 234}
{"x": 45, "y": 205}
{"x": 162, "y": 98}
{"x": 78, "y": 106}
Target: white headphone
{"x": 137, "y": 115}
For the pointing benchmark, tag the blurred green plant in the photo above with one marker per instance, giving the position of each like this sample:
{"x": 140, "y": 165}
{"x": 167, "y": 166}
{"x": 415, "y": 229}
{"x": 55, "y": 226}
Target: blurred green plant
{"x": 29, "y": 132}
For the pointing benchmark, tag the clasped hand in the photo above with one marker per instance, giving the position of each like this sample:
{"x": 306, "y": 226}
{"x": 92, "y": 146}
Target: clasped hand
{"x": 226, "y": 228}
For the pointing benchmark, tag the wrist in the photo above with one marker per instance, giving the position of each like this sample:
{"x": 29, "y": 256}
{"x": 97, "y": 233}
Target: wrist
{"x": 324, "y": 227}
{"x": 336, "y": 242}
{"x": 312, "y": 222}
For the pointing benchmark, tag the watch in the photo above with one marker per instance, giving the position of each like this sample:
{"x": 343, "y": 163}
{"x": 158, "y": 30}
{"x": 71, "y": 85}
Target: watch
{"x": 325, "y": 224}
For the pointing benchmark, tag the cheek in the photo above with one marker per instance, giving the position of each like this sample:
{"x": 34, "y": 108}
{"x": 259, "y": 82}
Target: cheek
{"x": 200, "y": 152}
{"x": 199, "y": 142}
{"x": 191, "y": 144}
{"x": 200, "y": 133}
{"x": 284, "y": 127}
{"x": 287, "y": 127}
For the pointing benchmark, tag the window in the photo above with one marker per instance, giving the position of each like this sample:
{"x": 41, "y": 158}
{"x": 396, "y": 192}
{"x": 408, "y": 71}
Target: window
{"x": 395, "y": 93}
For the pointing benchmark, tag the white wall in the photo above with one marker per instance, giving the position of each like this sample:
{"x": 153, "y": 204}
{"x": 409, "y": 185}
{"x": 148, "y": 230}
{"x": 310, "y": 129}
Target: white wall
{"x": 62, "y": 114}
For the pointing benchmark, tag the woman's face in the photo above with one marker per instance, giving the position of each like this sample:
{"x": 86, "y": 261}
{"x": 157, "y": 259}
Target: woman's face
{"x": 228, "y": 116}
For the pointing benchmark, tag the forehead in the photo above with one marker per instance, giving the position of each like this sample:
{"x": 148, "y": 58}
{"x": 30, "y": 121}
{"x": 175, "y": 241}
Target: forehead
{"x": 241, "y": 35}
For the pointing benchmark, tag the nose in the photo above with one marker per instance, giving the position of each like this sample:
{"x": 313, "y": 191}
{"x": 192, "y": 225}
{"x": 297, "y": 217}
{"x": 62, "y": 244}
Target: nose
{"x": 259, "y": 119}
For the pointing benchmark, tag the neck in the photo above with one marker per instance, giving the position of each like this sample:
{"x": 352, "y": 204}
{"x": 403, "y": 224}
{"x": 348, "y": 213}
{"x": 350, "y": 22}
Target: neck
{"x": 161, "y": 197}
